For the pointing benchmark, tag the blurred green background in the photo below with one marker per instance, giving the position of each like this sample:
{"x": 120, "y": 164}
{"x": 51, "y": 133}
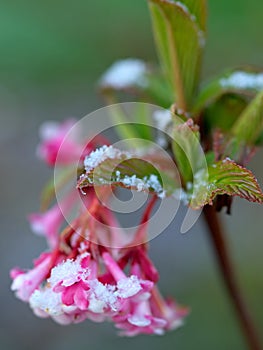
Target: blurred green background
{"x": 52, "y": 53}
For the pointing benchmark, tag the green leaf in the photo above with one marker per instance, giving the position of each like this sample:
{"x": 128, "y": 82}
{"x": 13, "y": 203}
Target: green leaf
{"x": 110, "y": 166}
{"x": 198, "y": 9}
{"x": 243, "y": 81}
{"x": 249, "y": 125}
{"x": 179, "y": 38}
{"x": 225, "y": 177}
{"x": 157, "y": 89}
{"x": 124, "y": 127}
{"x": 187, "y": 150}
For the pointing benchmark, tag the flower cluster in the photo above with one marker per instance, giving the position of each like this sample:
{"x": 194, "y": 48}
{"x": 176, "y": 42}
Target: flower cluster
{"x": 92, "y": 272}
{"x": 70, "y": 290}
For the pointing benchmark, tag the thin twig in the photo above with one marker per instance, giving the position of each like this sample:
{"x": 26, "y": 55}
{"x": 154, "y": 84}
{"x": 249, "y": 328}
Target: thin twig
{"x": 226, "y": 268}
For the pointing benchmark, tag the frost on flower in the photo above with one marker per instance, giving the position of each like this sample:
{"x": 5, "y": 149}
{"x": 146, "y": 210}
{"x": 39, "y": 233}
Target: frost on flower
{"x": 101, "y": 297}
{"x": 69, "y": 272}
{"x": 25, "y": 282}
{"x": 45, "y": 302}
{"x": 84, "y": 282}
{"x": 91, "y": 272}
{"x": 128, "y": 287}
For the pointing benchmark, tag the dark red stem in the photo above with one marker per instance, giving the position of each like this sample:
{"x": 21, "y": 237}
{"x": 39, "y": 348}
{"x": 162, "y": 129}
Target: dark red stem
{"x": 226, "y": 268}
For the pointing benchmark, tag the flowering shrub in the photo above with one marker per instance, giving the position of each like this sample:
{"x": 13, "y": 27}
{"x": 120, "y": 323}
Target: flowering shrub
{"x": 195, "y": 150}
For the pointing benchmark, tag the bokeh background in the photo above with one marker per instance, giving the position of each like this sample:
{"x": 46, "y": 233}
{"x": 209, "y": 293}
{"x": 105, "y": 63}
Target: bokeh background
{"x": 52, "y": 53}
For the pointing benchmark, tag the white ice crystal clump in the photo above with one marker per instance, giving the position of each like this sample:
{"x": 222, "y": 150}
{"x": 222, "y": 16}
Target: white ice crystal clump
{"x": 144, "y": 184}
{"x": 243, "y": 80}
{"x": 101, "y": 296}
{"x": 140, "y": 184}
{"x": 134, "y": 182}
{"x": 128, "y": 287}
{"x": 68, "y": 272}
{"x": 46, "y": 301}
{"x": 96, "y": 157}
{"x": 181, "y": 195}
{"x": 162, "y": 119}
{"x": 124, "y": 73}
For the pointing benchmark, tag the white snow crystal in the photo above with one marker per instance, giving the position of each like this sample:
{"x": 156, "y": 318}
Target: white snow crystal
{"x": 68, "y": 272}
{"x": 162, "y": 118}
{"x": 139, "y": 321}
{"x": 96, "y": 157}
{"x": 148, "y": 182}
{"x": 243, "y": 80}
{"x": 101, "y": 296}
{"x": 128, "y": 287}
{"x": 124, "y": 73}
{"x": 46, "y": 300}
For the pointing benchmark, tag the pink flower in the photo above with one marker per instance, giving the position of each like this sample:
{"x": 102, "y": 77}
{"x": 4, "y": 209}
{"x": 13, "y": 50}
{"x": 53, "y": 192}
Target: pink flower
{"x": 24, "y": 283}
{"x": 53, "y": 135}
{"x": 48, "y": 223}
{"x": 169, "y": 310}
{"x": 63, "y": 296}
{"x": 148, "y": 313}
{"x": 140, "y": 320}
{"x": 127, "y": 286}
{"x": 46, "y": 303}
{"x": 69, "y": 278}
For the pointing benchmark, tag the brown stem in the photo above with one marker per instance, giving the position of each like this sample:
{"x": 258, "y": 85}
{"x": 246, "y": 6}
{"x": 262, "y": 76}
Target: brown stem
{"x": 226, "y": 268}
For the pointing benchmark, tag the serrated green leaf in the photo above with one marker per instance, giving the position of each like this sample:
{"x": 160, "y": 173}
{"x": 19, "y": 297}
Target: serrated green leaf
{"x": 243, "y": 81}
{"x": 187, "y": 150}
{"x": 180, "y": 41}
{"x": 249, "y": 125}
{"x": 225, "y": 177}
{"x": 151, "y": 172}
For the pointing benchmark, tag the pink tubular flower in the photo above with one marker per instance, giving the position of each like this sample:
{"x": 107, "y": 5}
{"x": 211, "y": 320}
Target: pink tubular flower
{"x": 140, "y": 321}
{"x": 24, "y": 283}
{"x": 48, "y": 223}
{"x": 52, "y": 136}
{"x": 148, "y": 313}
{"x": 63, "y": 295}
